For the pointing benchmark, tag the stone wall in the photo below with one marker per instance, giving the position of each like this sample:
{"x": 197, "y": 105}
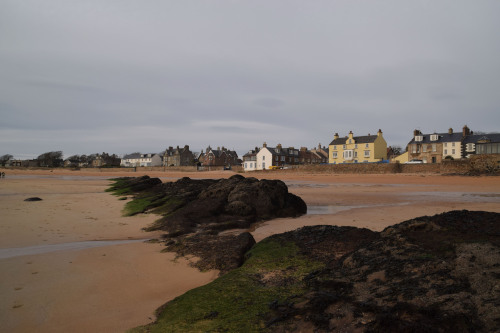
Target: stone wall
{"x": 480, "y": 164}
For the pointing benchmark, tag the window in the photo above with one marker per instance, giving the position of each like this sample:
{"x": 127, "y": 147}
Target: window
{"x": 367, "y": 146}
{"x": 348, "y": 155}
{"x": 350, "y": 141}
{"x": 424, "y": 148}
{"x": 446, "y": 144}
{"x": 334, "y": 147}
{"x": 276, "y": 158}
{"x": 414, "y": 149}
{"x": 334, "y": 154}
{"x": 419, "y": 138}
{"x": 434, "y": 147}
{"x": 356, "y": 146}
{"x": 470, "y": 147}
{"x": 453, "y": 151}
{"x": 344, "y": 146}
{"x": 446, "y": 151}
{"x": 263, "y": 158}
{"x": 367, "y": 153}
{"x": 434, "y": 137}
{"x": 282, "y": 158}
{"x": 355, "y": 154}
{"x": 246, "y": 166}
{"x": 453, "y": 144}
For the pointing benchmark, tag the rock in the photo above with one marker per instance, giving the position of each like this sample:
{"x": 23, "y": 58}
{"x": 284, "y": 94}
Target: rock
{"x": 421, "y": 275}
{"x": 195, "y": 211}
{"x": 430, "y": 274}
{"x": 188, "y": 205}
{"x": 221, "y": 252}
{"x": 33, "y": 199}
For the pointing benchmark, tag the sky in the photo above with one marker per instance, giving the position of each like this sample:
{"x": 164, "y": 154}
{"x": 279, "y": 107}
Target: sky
{"x": 123, "y": 76}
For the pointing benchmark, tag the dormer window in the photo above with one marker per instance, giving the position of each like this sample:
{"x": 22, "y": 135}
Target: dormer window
{"x": 419, "y": 138}
{"x": 434, "y": 137}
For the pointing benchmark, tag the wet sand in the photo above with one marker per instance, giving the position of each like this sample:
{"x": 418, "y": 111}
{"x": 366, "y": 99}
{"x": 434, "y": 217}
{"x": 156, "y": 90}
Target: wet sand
{"x": 70, "y": 286}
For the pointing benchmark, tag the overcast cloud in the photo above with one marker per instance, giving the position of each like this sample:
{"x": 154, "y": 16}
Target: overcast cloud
{"x": 121, "y": 76}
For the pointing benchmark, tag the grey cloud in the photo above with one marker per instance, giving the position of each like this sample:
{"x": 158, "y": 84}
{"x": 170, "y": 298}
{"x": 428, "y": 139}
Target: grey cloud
{"x": 141, "y": 75}
{"x": 269, "y": 102}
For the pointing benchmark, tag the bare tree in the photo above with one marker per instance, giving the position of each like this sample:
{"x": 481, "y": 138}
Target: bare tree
{"x": 5, "y": 158}
{"x": 51, "y": 159}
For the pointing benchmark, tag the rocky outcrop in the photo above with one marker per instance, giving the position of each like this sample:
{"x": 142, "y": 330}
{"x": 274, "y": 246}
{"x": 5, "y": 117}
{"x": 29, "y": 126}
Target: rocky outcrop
{"x": 430, "y": 274}
{"x": 190, "y": 205}
{"x": 194, "y": 212}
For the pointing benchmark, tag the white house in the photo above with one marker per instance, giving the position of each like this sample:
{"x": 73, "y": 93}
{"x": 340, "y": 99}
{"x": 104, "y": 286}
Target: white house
{"x": 264, "y": 158}
{"x": 250, "y": 160}
{"x": 141, "y": 160}
{"x": 278, "y": 156}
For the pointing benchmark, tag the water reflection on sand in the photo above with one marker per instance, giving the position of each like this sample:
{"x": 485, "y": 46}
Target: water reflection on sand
{"x": 40, "y": 249}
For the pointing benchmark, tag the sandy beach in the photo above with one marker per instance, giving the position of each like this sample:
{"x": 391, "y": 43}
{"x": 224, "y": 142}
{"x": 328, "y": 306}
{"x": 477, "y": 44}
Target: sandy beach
{"x": 71, "y": 262}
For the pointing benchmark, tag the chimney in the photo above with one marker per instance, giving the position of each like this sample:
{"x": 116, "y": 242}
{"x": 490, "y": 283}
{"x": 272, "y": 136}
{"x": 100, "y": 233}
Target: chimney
{"x": 303, "y": 149}
{"x": 416, "y": 132}
{"x": 264, "y": 145}
{"x": 218, "y": 148}
{"x": 450, "y": 131}
{"x": 465, "y": 131}
{"x": 278, "y": 146}
{"x": 336, "y": 136}
{"x": 379, "y": 133}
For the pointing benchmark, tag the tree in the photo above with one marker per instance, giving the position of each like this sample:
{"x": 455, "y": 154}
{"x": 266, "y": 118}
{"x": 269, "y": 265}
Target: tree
{"x": 51, "y": 159}
{"x": 5, "y": 158}
{"x": 394, "y": 151}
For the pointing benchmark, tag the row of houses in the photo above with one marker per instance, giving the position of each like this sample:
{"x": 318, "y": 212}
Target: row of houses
{"x": 423, "y": 148}
{"x": 174, "y": 157}
{"x": 279, "y": 157}
{"x": 436, "y": 147}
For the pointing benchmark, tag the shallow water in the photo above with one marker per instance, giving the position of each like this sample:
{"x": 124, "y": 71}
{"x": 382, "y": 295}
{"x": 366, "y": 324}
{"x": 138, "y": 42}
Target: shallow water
{"x": 40, "y": 249}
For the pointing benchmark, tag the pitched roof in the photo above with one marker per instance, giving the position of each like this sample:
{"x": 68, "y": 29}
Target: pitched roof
{"x": 281, "y": 151}
{"x": 132, "y": 156}
{"x": 442, "y": 137}
{"x": 357, "y": 139}
{"x": 495, "y": 137}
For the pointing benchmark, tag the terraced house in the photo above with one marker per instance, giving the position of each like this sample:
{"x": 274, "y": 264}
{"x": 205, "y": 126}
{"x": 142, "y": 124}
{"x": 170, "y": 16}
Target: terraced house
{"x": 358, "y": 149}
{"x": 435, "y": 147}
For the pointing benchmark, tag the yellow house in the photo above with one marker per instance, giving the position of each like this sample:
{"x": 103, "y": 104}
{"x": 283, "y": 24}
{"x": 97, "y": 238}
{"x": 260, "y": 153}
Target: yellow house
{"x": 358, "y": 149}
{"x": 403, "y": 158}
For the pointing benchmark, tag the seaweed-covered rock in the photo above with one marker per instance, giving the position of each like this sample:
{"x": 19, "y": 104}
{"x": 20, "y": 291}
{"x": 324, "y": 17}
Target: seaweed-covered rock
{"x": 222, "y": 252}
{"x": 189, "y": 205}
{"x": 194, "y": 212}
{"x": 430, "y": 274}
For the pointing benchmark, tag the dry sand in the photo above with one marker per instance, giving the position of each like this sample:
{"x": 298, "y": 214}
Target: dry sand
{"x": 110, "y": 288}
